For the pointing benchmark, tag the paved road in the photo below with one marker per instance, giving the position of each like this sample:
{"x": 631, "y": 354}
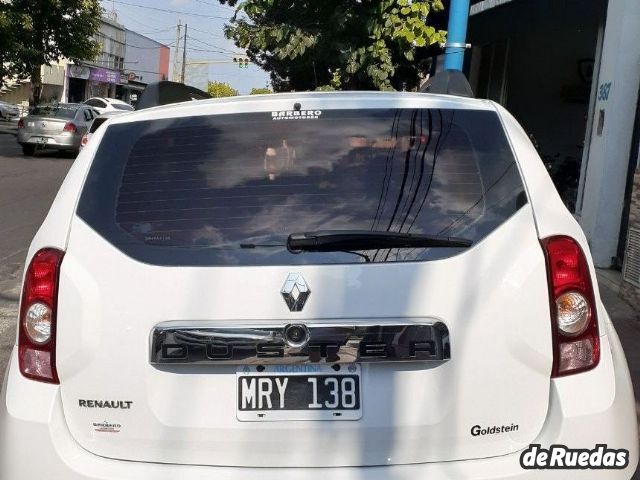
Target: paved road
{"x": 28, "y": 186}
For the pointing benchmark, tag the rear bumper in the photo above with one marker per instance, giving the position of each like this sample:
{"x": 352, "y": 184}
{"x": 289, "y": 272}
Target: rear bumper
{"x": 596, "y": 407}
{"x": 67, "y": 141}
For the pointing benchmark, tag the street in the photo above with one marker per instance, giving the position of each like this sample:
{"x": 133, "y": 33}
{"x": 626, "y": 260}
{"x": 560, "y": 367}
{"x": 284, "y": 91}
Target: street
{"x": 29, "y": 184}
{"x": 27, "y": 188}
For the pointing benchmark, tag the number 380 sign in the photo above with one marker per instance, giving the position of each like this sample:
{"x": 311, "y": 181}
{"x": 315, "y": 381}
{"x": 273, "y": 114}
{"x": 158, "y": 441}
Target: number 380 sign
{"x": 603, "y": 91}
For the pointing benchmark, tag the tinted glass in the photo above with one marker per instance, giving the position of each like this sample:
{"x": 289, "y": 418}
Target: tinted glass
{"x": 96, "y": 123}
{"x": 229, "y": 189}
{"x": 55, "y": 111}
{"x": 122, "y": 106}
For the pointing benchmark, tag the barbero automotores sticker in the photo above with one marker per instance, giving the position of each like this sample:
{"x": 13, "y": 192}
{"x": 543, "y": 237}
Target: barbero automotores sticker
{"x": 296, "y": 114}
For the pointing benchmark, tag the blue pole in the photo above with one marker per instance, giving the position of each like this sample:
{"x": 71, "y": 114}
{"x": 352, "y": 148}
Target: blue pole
{"x": 457, "y": 35}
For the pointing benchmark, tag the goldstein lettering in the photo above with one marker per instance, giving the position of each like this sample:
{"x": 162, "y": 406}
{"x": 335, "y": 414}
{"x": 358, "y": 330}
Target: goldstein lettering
{"x": 478, "y": 431}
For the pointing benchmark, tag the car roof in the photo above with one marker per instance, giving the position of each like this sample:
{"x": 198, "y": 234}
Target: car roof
{"x": 107, "y": 100}
{"x": 308, "y": 101}
{"x": 112, "y": 113}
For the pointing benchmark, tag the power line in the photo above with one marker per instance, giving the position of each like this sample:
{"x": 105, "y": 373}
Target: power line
{"x": 134, "y": 17}
{"x": 226, "y": 54}
{"x": 149, "y": 48}
{"x": 166, "y": 10}
{"x": 222, "y": 49}
{"x": 160, "y": 30}
{"x": 218, "y": 6}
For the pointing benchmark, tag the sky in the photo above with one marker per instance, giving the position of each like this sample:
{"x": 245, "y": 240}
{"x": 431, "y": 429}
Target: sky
{"x": 205, "y": 41}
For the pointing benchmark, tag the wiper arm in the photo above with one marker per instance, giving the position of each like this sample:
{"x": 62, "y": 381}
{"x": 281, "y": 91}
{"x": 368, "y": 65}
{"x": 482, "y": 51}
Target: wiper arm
{"x": 341, "y": 240}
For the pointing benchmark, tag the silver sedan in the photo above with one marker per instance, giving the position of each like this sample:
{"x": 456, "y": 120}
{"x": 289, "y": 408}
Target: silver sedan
{"x": 59, "y": 127}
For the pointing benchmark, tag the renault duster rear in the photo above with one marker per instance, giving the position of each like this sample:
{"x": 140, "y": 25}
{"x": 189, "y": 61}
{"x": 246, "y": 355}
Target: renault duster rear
{"x": 344, "y": 285}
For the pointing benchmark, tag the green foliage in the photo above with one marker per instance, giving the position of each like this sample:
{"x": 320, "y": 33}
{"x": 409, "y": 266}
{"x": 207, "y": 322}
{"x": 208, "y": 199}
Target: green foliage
{"x": 44, "y": 31}
{"x": 344, "y": 44}
{"x": 260, "y": 91}
{"x": 6, "y": 39}
{"x": 221, "y": 89}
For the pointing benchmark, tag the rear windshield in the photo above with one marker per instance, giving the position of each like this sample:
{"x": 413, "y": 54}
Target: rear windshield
{"x": 96, "y": 123}
{"x": 55, "y": 111}
{"x": 229, "y": 189}
{"x": 122, "y": 106}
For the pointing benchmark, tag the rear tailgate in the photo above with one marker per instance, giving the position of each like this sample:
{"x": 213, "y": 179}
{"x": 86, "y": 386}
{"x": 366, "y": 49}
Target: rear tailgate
{"x": 44, "y": 125}
{"x": 157, "y": 239}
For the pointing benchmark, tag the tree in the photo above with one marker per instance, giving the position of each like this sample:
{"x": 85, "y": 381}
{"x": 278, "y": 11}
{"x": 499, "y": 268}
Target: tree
{"x": 260, "y": 91}
{"x": 221, "y": 89}
{"x": 5, "y": 39}
{"x": 344, "y": 44}
{"x": 44, "y": 31}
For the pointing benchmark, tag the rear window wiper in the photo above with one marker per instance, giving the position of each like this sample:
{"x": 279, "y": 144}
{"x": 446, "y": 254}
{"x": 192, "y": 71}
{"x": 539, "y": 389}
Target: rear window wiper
{"x": 341, "y": 240}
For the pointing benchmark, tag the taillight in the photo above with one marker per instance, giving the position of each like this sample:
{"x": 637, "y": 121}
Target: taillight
{"x": 576, "y": 341}
{"x": 37, "y": 332}
{"x": 85, "y": 140}
{"x": 70, "y": 127}
{"x": 21, "y": 123}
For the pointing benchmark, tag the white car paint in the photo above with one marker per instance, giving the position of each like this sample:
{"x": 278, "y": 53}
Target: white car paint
{"x": 416, "y": 422}
{"x": 103, "y": 105}
{"x": 97, "y": 123}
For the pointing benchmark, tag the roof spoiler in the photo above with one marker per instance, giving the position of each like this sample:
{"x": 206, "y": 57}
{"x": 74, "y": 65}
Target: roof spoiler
{"x": 165, "y": 92}
{"x": 449, "y": 82}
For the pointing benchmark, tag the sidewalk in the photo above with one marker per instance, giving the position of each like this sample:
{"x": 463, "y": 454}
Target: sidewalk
{"x": 627, "y": 322}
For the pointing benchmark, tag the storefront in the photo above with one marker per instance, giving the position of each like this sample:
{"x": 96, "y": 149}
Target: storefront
{"x": 130, "y": 88}
{"x": 85, "y": 82}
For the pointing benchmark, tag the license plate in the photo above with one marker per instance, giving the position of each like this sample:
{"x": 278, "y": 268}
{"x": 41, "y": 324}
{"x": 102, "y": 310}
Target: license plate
{"x": 295, "y": 392}
{"x": 41, "y": 140}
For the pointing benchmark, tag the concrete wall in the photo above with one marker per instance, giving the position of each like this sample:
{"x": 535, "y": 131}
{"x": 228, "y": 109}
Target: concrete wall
{"x": 112, "y": 37}
{"x": 146, "y": 58}
{"x": 629, "y": 291}
{"x": 609, "y": 153}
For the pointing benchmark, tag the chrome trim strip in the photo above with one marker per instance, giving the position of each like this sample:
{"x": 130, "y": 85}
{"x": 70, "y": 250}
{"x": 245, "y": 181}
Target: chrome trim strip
{"x": 267, "y": 345}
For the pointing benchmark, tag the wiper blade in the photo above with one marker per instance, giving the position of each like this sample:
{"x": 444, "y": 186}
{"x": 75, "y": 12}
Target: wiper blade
{"x": 339, "y": 240}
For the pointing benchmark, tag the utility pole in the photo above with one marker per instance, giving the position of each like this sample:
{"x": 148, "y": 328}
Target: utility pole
{"x": 457, "y": 35}
{"x": 184, "y": 53}
{"x": 176, "y": 70}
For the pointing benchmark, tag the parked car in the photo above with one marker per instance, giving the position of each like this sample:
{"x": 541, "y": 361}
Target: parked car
{"x": 103, "y": 105}
{"x": 60, "y": 127}
{"x": 311, "y": 285}
{"x": 9, "y": 111}
{"x": 97, "y": 122}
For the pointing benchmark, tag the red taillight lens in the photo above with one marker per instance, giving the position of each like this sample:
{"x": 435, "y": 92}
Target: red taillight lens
{"x": 21, "y": 123}
{"x": 70, "y": 127}
{"x": 37, "y": 332}
{"x": 576, "y": 341}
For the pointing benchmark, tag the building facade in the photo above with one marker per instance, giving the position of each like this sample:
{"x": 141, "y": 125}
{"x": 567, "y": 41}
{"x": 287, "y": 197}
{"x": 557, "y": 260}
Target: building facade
{"x": 569, "y": 70}
{"x": 101, "y": 76}
{"x": 146, "y": 61}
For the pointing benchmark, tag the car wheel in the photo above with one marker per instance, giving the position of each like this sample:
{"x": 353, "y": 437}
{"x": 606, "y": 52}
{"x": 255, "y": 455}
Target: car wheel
{"x": 28, "y": 150}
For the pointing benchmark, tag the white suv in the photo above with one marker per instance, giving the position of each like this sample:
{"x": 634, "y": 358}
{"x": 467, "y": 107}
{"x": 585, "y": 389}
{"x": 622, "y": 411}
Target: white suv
{"x": 383, "y": 285}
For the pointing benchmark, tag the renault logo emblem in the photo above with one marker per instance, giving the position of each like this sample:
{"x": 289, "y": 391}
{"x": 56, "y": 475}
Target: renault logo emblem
{"x": 295, "y": 292}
